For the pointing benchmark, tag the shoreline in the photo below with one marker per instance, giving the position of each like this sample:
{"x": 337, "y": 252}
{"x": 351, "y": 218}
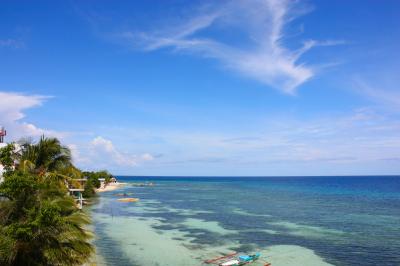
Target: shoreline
{"x": 110, "y": 187}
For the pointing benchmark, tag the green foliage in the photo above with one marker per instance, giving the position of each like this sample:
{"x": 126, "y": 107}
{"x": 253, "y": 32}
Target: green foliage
{"x": 18, "y": 186}
{"x": 106, "y": 175}
{"x": 38, "y": 229}
{"x": 39, "y": 222}
{"x": 97, "y": 175}
{"x": 48, "y": 155}
{"x": 7, "y": 157}
{"x": 93, "y": 182}
{"x": 89, "y": 190}
{"x": 92, "y": 178}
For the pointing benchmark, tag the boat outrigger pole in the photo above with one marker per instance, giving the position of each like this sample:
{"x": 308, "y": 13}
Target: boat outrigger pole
{"x": 220, "y": 258}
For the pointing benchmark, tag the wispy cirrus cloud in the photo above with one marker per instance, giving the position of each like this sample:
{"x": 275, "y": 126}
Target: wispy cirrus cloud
{"x": 258, "y": 51}
{"x": 386, "y": 97}
{"x": 363, "y": 135}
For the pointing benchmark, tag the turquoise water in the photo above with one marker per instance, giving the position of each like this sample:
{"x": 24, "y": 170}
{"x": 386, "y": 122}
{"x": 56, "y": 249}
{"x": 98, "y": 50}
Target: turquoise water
{"x": 292, "y": 221}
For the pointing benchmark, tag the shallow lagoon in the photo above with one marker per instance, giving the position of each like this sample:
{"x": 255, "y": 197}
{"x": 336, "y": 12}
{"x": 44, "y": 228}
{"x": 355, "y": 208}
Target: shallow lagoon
{"x": 291, "y": 221}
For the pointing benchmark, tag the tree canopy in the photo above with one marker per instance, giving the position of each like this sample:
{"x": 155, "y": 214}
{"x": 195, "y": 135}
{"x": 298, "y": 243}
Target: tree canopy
{"x": 39, "y": 222}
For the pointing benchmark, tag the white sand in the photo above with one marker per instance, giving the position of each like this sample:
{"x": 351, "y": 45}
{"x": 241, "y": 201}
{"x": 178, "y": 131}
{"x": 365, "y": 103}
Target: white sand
{"x": 110, "y": 187}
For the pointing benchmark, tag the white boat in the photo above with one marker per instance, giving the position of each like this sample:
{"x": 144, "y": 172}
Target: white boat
{"x": 230, "y": 263}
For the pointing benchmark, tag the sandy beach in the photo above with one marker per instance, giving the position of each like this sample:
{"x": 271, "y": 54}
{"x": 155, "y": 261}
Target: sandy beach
{"x": 110, "y": 187}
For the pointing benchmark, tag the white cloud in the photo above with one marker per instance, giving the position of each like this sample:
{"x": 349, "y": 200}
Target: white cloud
{"x": 103, "y": 153}
{"x": 12, "y": 104}
{"x": 147, "y": 157}
{"x": 99, "y": 153}
{"x": 364, "y": 136}
{"x": 77, "y": 156}
{"x": 388, "y": 98}
{"x": 258, "y": 54}
{"x": 12, "y": 107}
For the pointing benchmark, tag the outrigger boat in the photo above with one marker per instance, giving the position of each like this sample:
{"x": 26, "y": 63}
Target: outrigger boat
{"x": 231, "y": 260}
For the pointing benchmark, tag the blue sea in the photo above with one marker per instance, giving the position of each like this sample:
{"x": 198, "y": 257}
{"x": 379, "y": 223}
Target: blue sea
{"x": 290, "y": 220}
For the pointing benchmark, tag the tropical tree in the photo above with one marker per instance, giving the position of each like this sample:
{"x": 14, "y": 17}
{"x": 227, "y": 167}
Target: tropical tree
{"x": 39, "y": 223}
{"x": 48, "y": 155}
{"x": 40, "y": 228}
{"x": 93, "y": 181}
{"x": 8, "y": 156}
{"x": 50, "y": 160}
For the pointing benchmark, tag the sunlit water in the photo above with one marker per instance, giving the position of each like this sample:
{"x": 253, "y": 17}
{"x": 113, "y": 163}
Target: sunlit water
{"x": 291, "y": 221}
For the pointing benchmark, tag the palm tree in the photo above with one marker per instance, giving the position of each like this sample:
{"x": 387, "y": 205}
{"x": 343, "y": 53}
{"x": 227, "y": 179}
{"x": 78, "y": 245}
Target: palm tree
{"x": 48, "y": 155}
{"x": 39, "y": 223}
{"x": 49, "y": 160}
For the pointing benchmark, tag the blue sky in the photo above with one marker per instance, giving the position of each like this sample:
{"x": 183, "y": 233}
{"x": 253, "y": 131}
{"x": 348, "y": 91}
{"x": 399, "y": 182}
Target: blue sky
{"x": 207, "y": 87}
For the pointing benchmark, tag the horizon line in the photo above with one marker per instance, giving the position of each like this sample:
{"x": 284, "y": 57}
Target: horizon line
{"x": 251, "y": 176}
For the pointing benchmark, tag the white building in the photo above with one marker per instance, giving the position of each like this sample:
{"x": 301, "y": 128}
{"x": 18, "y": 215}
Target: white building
{"x": 3, "y": 133}
{"x": 1, "y": 167}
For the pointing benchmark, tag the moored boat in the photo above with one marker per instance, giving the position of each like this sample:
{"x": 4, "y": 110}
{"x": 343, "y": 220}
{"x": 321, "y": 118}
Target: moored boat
{"x": 228, "y": 260}
{"x": 249, "y": 258}
{"x": 233, "y": 262}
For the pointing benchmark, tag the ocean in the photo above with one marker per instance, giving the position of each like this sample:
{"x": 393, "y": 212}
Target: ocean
{"x": 290, "y": 220}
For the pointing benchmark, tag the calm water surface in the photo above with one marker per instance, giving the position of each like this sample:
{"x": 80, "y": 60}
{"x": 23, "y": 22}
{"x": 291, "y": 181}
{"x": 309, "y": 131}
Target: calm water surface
{"x": 344, "y": 220}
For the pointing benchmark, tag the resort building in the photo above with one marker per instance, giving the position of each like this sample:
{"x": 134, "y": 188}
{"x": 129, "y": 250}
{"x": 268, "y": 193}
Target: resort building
{"x": 3, "y": 133}
{"x": 1, "y": 167}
